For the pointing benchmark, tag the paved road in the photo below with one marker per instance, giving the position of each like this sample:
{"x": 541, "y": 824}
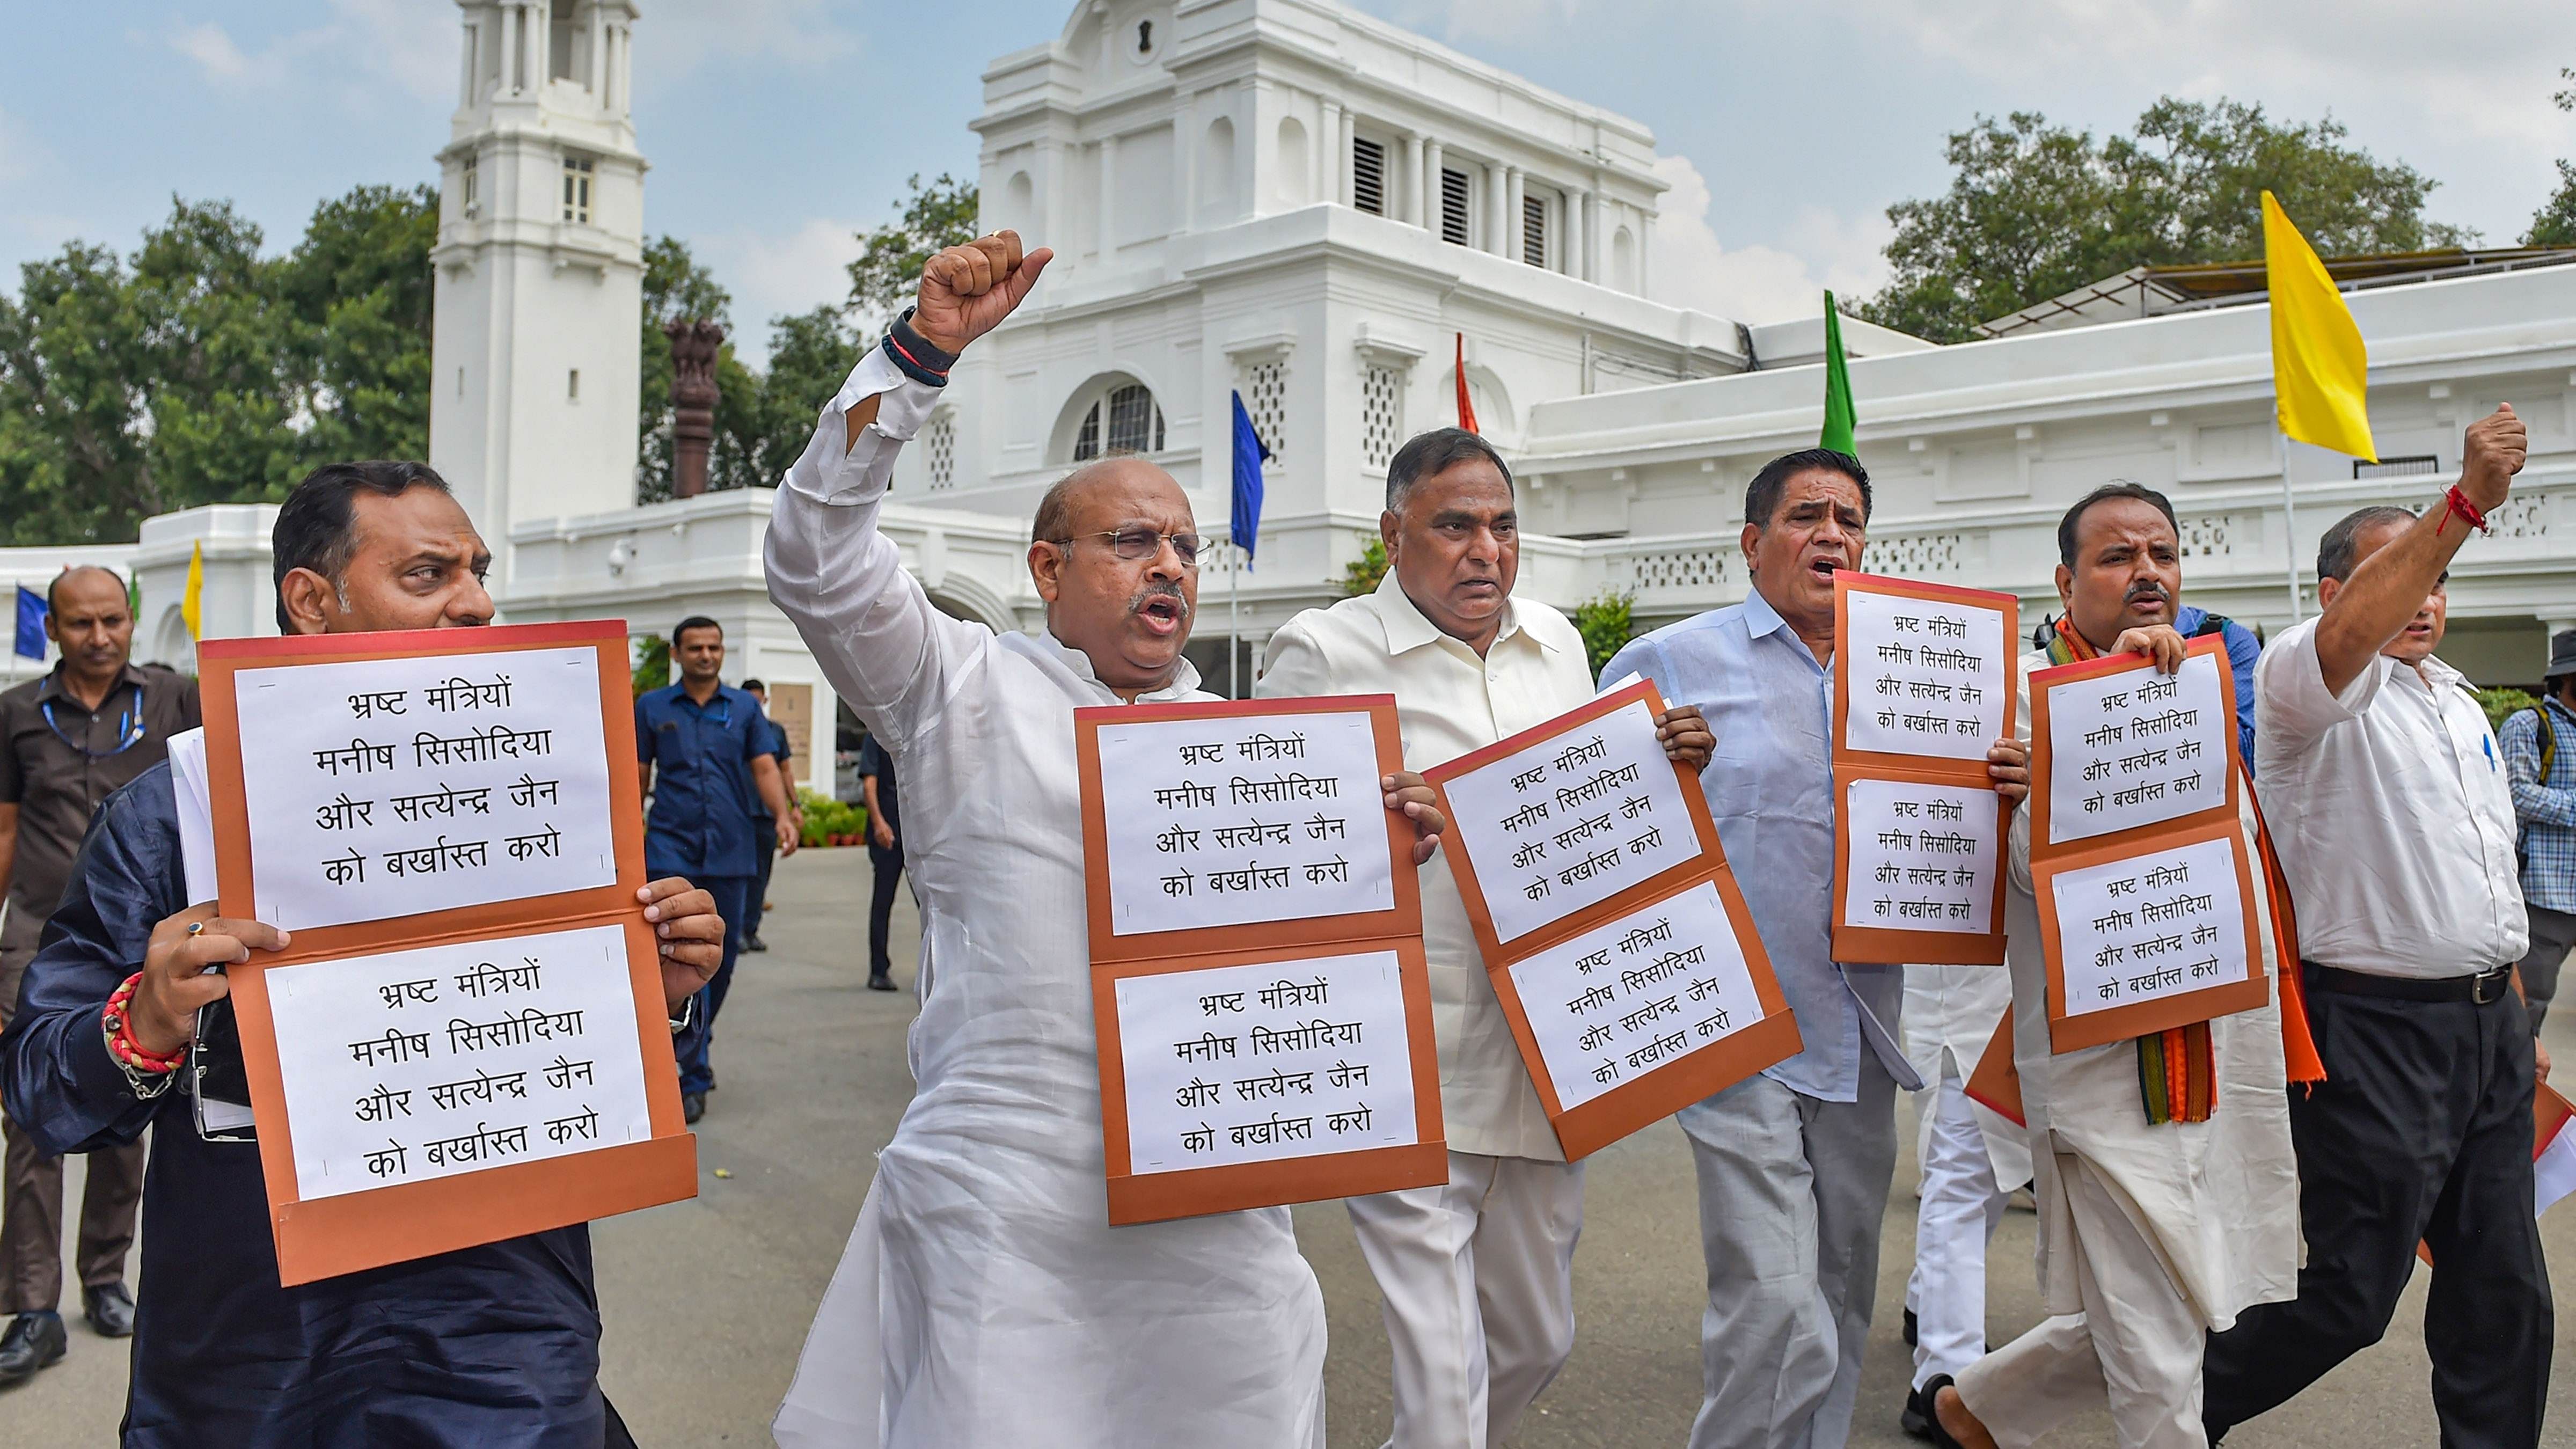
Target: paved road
{"x": 707, "y": 1301}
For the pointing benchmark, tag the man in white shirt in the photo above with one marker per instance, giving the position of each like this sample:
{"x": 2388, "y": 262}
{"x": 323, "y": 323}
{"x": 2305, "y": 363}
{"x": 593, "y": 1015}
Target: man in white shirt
{"x": 984, "y": 1299}
{"x": 2164, "y": 1214}
{"x": 1477, "y": 1275}
{"x": 2396, "y": 828}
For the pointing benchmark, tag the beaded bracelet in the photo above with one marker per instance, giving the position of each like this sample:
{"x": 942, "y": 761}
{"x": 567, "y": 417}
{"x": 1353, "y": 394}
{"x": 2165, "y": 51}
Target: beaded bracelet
{"x": 120, "y": 1034}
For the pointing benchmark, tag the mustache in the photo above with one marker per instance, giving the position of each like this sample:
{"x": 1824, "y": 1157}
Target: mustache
{"x": 2149, "y": 588}
{"x": 1164, "y": 589}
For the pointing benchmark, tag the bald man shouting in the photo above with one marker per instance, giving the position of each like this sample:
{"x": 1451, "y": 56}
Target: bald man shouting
{"x": 984, "y": 1299}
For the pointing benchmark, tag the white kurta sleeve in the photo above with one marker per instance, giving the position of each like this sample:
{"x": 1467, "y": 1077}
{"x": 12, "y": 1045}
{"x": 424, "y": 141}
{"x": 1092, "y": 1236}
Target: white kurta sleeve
{"x": 876, "y": 635}
{"x": 1294, "y": 666}
{"x": 2292, "y": 705}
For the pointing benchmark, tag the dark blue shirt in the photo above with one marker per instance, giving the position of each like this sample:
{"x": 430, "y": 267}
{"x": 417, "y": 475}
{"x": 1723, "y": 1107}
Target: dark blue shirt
{"x": 777, "y": 751}
{"x": 874, "y": 760}
{"x": 2243, "y": 649}
{"x": 496, "y": 1345}
{"x": 705, "y": 809}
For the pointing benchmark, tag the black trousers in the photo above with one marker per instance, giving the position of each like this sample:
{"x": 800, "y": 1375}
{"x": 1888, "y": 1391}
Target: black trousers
{"x": 2421, "y": 1131}
{"x": 888, "y": 865}
{"x": 768, "y": 832}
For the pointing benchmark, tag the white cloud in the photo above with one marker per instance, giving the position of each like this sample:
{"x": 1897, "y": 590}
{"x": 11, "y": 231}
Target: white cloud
{"x": 365, "y": 43}
{"x": 1760, "y": 283}
{"x": 800, "y": 34}
{"x": 773, "y": 275}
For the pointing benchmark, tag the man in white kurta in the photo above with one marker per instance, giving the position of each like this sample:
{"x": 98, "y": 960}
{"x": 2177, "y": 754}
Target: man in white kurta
{"x": 2151, "y": 1235}
{"x": 985, "y": 1302}
{"x": 1971, "y": 1159}
{"x": 1476, "y": 1275}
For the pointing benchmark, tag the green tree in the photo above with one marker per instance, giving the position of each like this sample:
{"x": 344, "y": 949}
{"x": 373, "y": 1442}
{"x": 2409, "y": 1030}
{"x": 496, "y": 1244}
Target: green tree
{"x": 2034, "y": 210}
{"x": 891, "y": 257}
{"x": 2554, "y": 225}
{"x": 360, "y": 290}
{"x": 762, "y": 425}
{"x": 1606, "y": 624}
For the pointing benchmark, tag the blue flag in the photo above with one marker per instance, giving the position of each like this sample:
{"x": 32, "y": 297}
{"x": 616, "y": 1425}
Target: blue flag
{"x": 31, "y": 620}
{"x": 1249, "y": 454}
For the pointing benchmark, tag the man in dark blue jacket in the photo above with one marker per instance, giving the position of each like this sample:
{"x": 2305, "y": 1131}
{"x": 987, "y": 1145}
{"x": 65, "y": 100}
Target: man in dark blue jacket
{"x": 490, "y": 1346}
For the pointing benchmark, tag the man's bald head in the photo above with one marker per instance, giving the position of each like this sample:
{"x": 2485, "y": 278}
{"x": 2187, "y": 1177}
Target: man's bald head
{"x": 1128, "y": 615}
{"x": 91, "y": 574}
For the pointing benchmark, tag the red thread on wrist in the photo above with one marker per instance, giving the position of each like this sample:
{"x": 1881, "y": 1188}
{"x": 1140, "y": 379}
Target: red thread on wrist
{"x": 2458, "y": 502}
{"x": 120, "y": 1034}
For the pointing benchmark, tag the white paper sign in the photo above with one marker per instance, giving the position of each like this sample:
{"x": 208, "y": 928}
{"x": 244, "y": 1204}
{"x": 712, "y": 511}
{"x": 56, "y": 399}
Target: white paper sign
{"x": 2150, "y": 925}
{"x": 1928, "y": 677}
{"x": 391, "y": 787}
{"x": 421, "y": 1064}
{"x": 1232, "y": 821}
{"x": 1254, "y": 1063}
{"x": 1571, "y": 821}
{"x": 1636, "y": 995}
{"x": 2136, "y": 748}
{"x": 1923, "y": 856}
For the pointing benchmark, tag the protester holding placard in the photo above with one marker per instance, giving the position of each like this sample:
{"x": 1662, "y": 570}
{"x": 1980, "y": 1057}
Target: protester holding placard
{"x": 2396, "y": 828}
{"x": 2539, "y": 749}
{"x": 1468, "y": 664}
{"x": 2165, "y": 1197}
{"x": 492, "y": 1344}
{"x": 985, "y": 1299}
{"x": 1794, "y": 1164}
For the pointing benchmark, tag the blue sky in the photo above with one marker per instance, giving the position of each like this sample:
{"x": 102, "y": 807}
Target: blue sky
{"x": 777, "y": 127}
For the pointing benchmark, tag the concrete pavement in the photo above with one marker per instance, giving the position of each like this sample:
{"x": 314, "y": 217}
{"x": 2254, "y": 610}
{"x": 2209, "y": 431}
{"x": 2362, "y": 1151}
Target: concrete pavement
{"x": 707, "y": 1302}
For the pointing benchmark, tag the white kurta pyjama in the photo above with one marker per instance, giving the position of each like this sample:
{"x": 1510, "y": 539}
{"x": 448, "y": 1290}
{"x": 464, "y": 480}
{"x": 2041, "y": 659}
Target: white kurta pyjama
{"x": 1477, "y": 1275}
{"x": 985, "y": 1302}
{"x": 1971, "y": 1158}
{"x": 2174, "y": 1227}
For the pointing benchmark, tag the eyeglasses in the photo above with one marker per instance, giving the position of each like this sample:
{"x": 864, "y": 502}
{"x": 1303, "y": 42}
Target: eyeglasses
{"x": 1139, "y": 541}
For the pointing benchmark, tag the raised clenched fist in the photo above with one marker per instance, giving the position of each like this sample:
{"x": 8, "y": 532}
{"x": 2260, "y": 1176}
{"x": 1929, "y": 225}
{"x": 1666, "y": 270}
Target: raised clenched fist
{"x": 2490, "y": 454}
{"x": 967, "y": 291}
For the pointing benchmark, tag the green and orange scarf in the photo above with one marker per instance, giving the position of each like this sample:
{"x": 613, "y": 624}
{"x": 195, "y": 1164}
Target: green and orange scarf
{"x": 2177, "y": 1070}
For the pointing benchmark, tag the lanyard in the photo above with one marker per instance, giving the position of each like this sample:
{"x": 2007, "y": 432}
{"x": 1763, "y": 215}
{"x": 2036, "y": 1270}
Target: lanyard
{"x": 130, "y": 729}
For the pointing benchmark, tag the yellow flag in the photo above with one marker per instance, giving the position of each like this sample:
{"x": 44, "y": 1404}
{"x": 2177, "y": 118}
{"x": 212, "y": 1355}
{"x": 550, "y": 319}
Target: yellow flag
{"x": 2319, "y": 369}
{"x": 192, "y": 604}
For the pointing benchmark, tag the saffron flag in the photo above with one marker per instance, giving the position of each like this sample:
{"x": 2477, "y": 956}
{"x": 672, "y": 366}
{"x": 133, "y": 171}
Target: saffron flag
{"x": 1249, "y": 454}
{"x": 1466, "y": 409}
{"x": 1838, "y": 398}
{"x": 31, "y": 623}
{"x": 2320, "y": 369}
{"x": 192, "y": 604}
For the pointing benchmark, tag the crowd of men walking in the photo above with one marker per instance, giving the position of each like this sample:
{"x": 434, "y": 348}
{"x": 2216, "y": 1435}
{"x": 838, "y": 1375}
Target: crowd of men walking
{"x": 2226, "y": 1210}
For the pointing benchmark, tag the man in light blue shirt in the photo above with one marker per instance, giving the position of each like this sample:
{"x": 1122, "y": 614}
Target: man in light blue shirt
{"x": 1794, "y": 1164}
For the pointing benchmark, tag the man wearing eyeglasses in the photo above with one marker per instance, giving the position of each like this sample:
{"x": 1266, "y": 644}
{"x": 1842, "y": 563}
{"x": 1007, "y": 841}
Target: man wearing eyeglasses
{"x": 66, "y": 741}
{"x": 985, "y": 1299}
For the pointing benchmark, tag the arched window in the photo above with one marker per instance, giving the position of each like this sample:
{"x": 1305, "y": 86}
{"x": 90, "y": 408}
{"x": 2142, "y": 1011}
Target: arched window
{"x": 1125, "y": 420}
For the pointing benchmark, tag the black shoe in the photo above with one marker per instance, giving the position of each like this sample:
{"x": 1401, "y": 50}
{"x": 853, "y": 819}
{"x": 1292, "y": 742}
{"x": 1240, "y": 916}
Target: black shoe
{"x": 34, "y": 1341}
{"x": 754, "y": 943}
{"x": 1921, "y": 1420}
{"x": 881, "y": 982}
{"x": 693, "y": 1105}
{"x": 109, "y": 1309}
{"x": 1911, "y": 1328}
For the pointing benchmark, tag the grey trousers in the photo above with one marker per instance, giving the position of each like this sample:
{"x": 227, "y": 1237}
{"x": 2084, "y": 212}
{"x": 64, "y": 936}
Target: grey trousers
{"x": 1792, "y": 1191}
{"x": 2553, "y": 933}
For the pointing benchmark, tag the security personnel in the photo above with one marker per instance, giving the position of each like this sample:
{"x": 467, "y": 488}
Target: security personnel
{"x": 705, "y": 756}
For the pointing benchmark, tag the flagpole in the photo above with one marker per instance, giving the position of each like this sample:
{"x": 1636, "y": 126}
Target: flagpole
{"x": 1233, "y": 621}
{"x": 2290, "y": 527}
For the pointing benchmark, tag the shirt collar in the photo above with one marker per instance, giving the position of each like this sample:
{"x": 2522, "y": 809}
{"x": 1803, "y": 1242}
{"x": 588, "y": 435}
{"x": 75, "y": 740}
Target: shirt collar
{"x": 1408, "y": 629}
{"x": 1759, "y": 617}
{"x": 2550, "y": 702}
{"x": 1185, "y": 678}
{"x": 53, "y": 687}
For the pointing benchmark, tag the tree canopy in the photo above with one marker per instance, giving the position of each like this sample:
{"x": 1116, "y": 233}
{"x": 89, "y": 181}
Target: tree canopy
{"x": 198, "y": 371}
{"x": 891, "y": 257}
{"x": 2554, "y": 225}
{"x": 2035, "y": 209}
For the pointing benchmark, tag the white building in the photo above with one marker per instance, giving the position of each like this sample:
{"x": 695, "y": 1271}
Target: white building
{"x": 1312, "y": 207}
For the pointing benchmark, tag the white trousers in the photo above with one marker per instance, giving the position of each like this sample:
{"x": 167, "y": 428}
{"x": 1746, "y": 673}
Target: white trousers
{"x": 1478, "y": 1282}
{"x": 1961, "y": 1206}
{"x": 2137, "y": 1342}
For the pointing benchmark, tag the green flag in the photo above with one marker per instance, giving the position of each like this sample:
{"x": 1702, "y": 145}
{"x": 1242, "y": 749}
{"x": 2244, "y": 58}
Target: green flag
{"x": 1838, "y": 399}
